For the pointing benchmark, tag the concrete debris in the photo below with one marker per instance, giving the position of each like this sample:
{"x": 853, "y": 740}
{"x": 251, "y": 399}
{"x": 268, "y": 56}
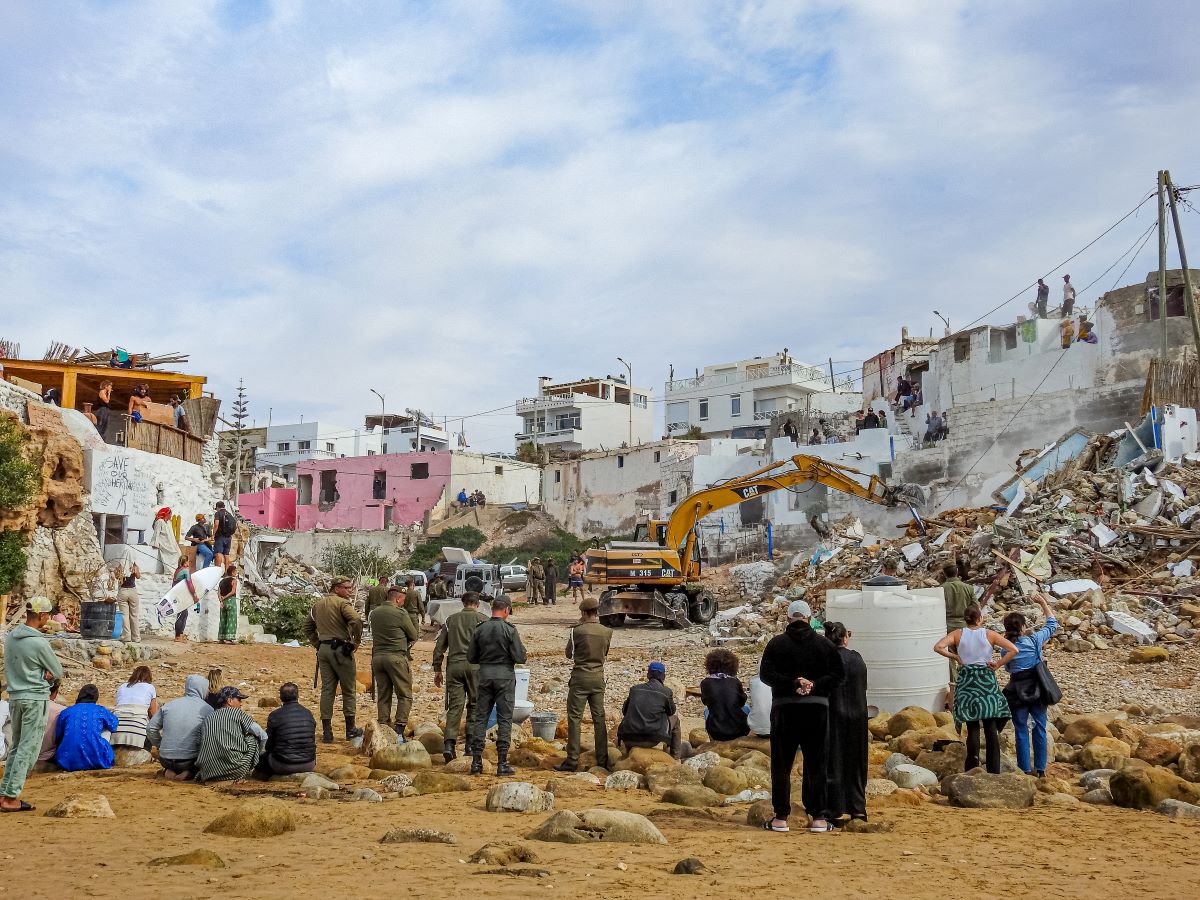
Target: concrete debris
{"x": 1112, "y": 544}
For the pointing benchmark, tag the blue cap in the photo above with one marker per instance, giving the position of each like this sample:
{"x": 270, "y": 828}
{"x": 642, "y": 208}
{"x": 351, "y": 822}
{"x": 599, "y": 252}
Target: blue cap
{"x": 657, "y": 667}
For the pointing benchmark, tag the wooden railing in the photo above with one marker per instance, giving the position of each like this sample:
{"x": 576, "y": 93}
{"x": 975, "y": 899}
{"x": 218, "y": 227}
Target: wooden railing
{"x": 155, "y": 438}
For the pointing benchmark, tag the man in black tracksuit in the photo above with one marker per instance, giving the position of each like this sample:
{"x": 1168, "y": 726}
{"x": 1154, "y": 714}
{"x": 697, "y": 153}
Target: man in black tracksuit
{"x": 802, "y": 668}
{"x": 291, "y": 737}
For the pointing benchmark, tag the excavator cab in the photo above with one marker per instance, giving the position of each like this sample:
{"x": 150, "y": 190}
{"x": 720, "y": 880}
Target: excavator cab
{"x": 650, "y": 532}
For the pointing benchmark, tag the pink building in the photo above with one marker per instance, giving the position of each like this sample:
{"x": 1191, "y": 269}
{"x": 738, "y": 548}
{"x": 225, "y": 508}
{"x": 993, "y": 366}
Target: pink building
{"x": 370, "y": 492}
{"x": 271, "y": 508}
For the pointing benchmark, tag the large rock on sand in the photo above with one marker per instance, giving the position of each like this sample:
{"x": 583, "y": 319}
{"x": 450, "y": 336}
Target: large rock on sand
{"x": 1146, "y": 788}
{"x": 642, "y": 758}
{"x": 693, "y": 795}
{"x": 77, "y": 807}
{"x": 911, "y": 718}
{"x": 725, "y": 780}
{"x": 1013, "y": 790}
{"x": 518, "y": 796}
{"x": 377, "y": 737}
{"x": 402, "y": 758}
{"x": 1105, "y": 753}
{"x": 1158, "y": 751}
{"x": 591, "y": 825}
{"x": 254, "y": 819}
{"x": 1084, "y": 730}
{"x": 440, "y": 783}
{"x": 204, "y": 859}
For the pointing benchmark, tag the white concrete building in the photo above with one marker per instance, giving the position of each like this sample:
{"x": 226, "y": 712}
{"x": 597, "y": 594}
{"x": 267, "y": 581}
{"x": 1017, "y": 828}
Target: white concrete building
{"x": 406, "y": 434}
{"x": 727, "y": 398}
{"x": 287, "y": 445}
{"x": 590, "y": 414}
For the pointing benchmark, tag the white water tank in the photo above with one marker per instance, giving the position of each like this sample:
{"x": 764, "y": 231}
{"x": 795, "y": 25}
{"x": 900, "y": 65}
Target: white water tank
{"x": 894, "y": 630}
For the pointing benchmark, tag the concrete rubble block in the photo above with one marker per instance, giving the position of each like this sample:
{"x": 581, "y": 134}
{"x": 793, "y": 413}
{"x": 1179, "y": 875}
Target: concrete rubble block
{"x": 1005, "y": 791}
{"x": 624, "y": 781}
{"x": 703, "y": 762}
{"x": 518, "y": 796}
{"x": 912, "y": 776}
{"x": 592, "y": 825}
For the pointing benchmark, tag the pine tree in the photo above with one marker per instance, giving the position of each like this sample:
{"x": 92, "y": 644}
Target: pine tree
{"x": 239, "y": 413}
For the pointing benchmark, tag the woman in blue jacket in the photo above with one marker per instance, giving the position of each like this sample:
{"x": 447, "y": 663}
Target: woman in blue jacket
{"x": 80, "y": 733}
{"x": 1023, "y": 690}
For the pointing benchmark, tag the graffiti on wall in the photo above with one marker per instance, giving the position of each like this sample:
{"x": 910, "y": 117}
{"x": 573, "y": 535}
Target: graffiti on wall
{"x": 119, "y": 488}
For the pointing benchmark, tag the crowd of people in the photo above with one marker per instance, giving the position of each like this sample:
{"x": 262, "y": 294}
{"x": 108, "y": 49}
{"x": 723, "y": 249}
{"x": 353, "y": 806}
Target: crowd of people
{"x": 809, "y": 697}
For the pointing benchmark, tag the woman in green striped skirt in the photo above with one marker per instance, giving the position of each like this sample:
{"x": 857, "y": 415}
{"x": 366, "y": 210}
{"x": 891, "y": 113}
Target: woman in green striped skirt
{"x": 227, "y": 590}
{"x": 977, "y": 698}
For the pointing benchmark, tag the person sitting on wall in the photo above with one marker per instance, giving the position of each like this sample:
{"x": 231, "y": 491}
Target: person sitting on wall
{"x": 1086, "y": 335}
{"x": 462, "y": 498}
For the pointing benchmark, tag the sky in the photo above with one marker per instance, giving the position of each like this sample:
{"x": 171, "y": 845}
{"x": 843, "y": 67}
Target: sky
{"x": 443, "y": 201}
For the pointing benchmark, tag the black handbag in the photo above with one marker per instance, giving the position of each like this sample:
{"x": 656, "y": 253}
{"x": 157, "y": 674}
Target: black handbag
{"x": 1047, "y": 686}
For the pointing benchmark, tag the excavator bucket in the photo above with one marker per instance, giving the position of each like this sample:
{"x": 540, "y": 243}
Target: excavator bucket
{"x": 908, "y": 493}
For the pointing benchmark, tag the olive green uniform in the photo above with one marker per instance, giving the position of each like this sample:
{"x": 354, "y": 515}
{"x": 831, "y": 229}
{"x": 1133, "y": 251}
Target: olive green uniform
{"x": 376, "y": 596}
{"x": 958, "y": 597}
{"x": 335, "y": 628}
{"x": 462, "y": 678}
{"x": 496, "y": 648}
{"x": 392, "y": 636}
{"x": 535, "y": 579}
{"x": 587, "y": 646}
{"x": 413, "y": 605}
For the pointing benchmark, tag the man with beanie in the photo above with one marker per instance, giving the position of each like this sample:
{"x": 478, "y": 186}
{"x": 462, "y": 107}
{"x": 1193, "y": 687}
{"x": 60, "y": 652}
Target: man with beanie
{"x": 802, "y": 668}
{"x": 648, "y": 714}
{"x": 335, "y": 628}
{"x": 497, "y": 649}
{"x": 30, "y": 667}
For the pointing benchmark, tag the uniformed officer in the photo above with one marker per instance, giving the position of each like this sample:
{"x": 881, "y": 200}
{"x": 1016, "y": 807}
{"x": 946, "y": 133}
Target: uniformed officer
{"x": 393, "y": 633}
{"x": 587, "y": 647}
{"x": 497, "y": 649}
{"x": 335, "y": 628}
{"x": 412, "y": 601}
{"x": 462, "y": 678}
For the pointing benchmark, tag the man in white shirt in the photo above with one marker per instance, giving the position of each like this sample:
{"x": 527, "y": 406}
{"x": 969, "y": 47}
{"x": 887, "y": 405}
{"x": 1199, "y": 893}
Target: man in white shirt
{"x": 1068, "y": 296}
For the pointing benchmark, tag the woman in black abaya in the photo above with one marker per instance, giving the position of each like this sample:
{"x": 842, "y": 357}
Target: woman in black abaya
{"x": 848, "y": 736}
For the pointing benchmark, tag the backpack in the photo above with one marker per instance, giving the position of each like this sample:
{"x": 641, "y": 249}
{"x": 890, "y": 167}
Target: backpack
{"x": 226, "y": 525}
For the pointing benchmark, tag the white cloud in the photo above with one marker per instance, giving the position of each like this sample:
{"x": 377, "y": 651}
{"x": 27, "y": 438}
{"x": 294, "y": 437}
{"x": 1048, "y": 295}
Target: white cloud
{"x": 446, "y": 204}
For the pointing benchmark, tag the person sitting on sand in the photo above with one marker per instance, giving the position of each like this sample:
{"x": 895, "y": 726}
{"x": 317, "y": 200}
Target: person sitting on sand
{"x": 230, "y": 741}
{"x": 137, "y": 701}
{"x": 724, "y": 698}
{"x": 648, "y": 714}
{"x": 79, "y": 732}
{"x": 175, "y": 729}
{"x": 291, "y": 737}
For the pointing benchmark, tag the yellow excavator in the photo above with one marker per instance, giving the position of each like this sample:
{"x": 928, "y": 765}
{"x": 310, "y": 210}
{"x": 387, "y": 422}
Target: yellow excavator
{"x": 657, "y": 574}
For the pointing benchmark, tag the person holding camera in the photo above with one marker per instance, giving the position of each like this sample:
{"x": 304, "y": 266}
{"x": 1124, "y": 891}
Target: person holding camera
{"x": 335, "y": 628}
{"x": 1028, "y": 692}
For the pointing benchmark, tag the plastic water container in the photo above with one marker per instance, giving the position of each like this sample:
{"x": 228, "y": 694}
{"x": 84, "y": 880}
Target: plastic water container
{"x": 544, "y": 725}
{"x": 894, "y": 630}
{"x": 118, "y": 626}
{"x": 522, "y": 708}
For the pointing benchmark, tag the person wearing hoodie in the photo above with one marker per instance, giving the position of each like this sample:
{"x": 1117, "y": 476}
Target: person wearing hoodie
{"x": 80, "y": 729}
{"x": 802, "y": 668}
{"x": 29, "y": 668}
{"x": 175, "y": 729}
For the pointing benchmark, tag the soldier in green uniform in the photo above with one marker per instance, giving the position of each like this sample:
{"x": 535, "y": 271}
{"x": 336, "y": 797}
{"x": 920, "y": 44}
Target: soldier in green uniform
{"x": 335, "y": 628}
{"x": 587, "y": 647}
{"x": 958, "y": 597}
{"x": 497, "y": 649}
{"x": 412, "y": 601}
{"x": 392, "y": 636}
{"x": 377, "y": 595}
{"x": 462, "y": 678}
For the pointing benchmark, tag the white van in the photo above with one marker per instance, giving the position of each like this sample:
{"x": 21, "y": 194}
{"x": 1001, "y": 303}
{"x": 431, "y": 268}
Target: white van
{"x": 419, "y": 581}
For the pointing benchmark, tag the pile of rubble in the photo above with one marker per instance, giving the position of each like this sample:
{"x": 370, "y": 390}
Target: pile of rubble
{"x": 1116, "y": 543}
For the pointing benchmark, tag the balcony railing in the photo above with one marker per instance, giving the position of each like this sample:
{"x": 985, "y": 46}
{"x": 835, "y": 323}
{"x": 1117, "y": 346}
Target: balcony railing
{"x": 797, "y": 373}
{"x": 559, "y": 434}
{"x": 547, "y": 402}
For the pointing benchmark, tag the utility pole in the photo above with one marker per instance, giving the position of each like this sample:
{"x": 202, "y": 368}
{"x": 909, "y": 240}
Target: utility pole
{"x": 629, "y": 369}
{"x": 382, "y": 417}
{"x": 1162, "y": 261}
{"x": 832, "y": 383}
{"x": 1188, "y": 297}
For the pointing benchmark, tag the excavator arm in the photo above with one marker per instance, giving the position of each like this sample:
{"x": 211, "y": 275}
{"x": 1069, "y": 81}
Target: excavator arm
{"x": 681, "y": 526}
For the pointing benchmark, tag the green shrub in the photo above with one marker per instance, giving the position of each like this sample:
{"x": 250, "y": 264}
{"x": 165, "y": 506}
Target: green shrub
{"x": 12, "y": 560}
{"x": 283, "y": 617}
{"x": 353, "y": 560}
{"x": 427, "y": 552}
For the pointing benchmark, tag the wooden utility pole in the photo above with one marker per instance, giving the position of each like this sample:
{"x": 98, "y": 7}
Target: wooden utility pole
{"x": 1162, "y": 260}
{"x": 1188, "y": 298}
